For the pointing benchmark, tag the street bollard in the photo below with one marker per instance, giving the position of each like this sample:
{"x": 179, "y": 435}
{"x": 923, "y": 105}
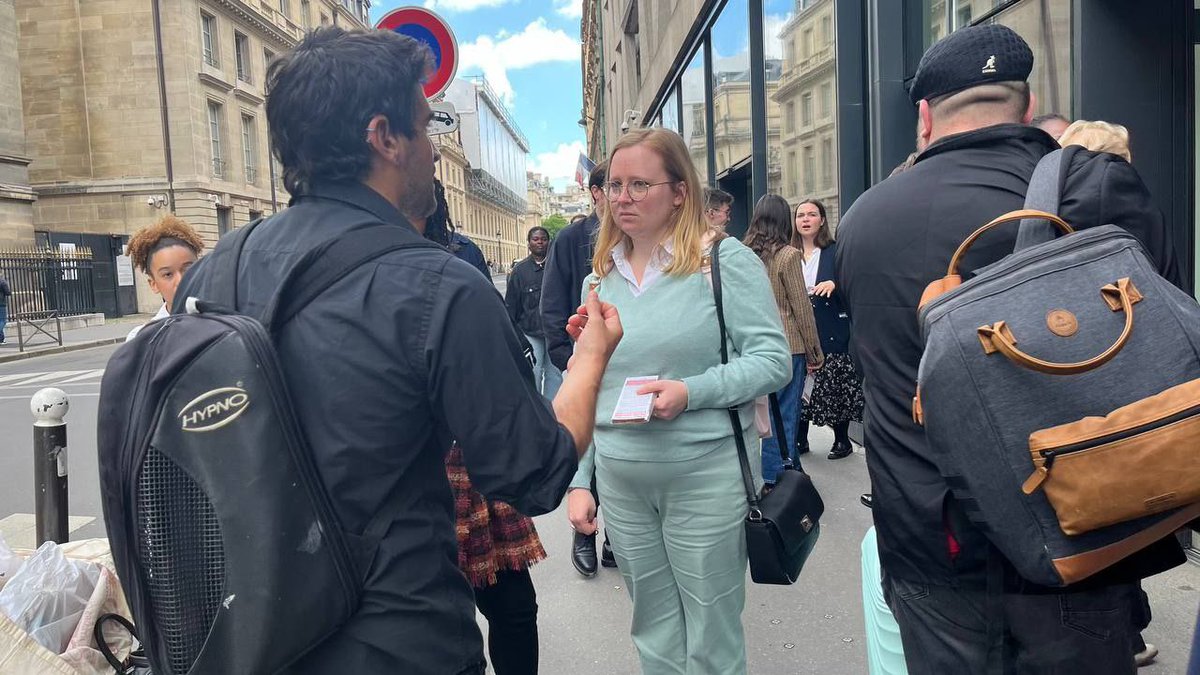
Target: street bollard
{"x": 49, "y": 407}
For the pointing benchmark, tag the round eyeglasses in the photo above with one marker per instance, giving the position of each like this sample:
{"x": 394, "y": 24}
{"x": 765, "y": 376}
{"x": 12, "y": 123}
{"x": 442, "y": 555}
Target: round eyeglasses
{"x": 637, "y": 189}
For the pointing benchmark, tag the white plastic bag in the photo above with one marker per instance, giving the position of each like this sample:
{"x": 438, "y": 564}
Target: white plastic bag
{"x": 48, "y": 594}
{"x": 9, "y": 562}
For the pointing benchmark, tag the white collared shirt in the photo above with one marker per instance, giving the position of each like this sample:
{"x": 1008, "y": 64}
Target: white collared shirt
{"x": 810, "y": 269}
{"x": 660, "y": 258}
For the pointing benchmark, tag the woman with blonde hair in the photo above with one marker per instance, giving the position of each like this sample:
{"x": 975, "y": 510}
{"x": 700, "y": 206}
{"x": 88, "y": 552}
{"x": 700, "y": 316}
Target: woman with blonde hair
{"x": 1098, "y": 136}
{"x": 672, "y": 485}
{"x": 163, "y": 252}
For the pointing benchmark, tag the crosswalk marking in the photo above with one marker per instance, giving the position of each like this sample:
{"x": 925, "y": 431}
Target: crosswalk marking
{"x": 44, "y": 379}
{"x": 87, "y": 375}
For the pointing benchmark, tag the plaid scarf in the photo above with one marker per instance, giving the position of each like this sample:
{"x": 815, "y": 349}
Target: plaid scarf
{"x": 492, "y": 536}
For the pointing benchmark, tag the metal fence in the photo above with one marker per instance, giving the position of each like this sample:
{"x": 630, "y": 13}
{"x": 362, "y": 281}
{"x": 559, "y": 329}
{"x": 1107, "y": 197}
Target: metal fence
{"x": 48, "y": 282}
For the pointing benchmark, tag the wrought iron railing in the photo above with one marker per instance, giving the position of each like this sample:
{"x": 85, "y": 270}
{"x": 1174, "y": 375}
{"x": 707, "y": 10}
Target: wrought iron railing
{"x": 48, "y": 282}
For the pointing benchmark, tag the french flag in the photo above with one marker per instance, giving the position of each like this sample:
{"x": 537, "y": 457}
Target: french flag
{"x": 583, "y": 169}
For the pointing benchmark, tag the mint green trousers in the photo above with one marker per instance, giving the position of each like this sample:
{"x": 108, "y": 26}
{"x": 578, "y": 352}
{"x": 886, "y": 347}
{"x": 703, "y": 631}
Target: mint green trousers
{"x": 676, "y": 530}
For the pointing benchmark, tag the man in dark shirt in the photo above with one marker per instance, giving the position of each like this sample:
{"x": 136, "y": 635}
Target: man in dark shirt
{"x": 974, "y": 106}
{"x": 569, "y": 263}
{"x": 523, "y": 296}
{"x": 404, "y": 354}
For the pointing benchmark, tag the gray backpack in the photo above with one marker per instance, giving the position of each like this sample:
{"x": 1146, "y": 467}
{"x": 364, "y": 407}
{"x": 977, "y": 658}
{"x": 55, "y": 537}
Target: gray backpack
{"x": 1060, "y": 393}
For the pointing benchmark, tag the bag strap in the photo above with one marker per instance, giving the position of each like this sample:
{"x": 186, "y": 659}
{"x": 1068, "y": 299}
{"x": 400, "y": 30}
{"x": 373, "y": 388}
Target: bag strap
{"x": 735, "y": 419}
{"x": 226, "y": 259}
{"x": 1045, "y": 189}
{"x": 331, "y": 261}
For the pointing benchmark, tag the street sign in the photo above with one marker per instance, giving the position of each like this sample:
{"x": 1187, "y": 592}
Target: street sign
{"x": 423, "y": 25}
{"x": 445, "y": 119}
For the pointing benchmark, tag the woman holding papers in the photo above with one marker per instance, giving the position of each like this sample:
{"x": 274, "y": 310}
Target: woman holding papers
{"x": 768, "y": 236}
{"x": 672, "y": 484}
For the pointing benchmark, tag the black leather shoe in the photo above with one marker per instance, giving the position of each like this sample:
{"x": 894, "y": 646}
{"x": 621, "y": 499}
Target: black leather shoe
{"x": 606, "y": 555}
{"x": 583, "y": 554}
{"x": 866, "y": 499}
{"x": 840, "y": 450}
{"x": 802, "y": 449}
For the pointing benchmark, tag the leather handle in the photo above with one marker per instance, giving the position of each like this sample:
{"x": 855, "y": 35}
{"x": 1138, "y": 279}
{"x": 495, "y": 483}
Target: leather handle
{"x": 1009, "y": 217}
{"x": 1119, "y": 296}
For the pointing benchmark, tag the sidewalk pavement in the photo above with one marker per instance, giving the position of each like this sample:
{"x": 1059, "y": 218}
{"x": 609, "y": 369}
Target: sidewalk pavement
{"x": 112, "y": 332}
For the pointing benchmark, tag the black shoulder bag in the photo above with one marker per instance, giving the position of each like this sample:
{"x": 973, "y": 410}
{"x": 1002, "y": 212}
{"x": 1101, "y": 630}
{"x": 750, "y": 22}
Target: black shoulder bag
{"x": 782, "y": 527}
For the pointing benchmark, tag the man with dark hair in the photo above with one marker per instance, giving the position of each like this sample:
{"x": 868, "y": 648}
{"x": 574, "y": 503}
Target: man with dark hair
{"x": 569, "y": 263}
{"x": 380, "y": 364}
{"x": 717, "y": 204}
{"x": 1051, "y": 123}
{"x": 523, "y": 296}
{"x": 954, "y": 595}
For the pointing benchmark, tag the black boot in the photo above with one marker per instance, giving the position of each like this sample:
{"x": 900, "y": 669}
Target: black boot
{"x": 841, "y": 441}
{"x": 866, "y": 499}
{"x": 607, "y": 558}
{"x": 802, "y": 439}
{"x": 583, "y": 554}
{"x": 840, "y": 450}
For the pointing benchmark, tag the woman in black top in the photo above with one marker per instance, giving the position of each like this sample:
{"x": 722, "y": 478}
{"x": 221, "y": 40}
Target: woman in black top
{"x": 836, "y": 396}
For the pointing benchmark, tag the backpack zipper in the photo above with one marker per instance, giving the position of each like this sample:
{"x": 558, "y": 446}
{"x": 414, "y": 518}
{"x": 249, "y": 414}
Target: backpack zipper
{"x": 1042, "y": 472}
{"x": 343, "y": 563}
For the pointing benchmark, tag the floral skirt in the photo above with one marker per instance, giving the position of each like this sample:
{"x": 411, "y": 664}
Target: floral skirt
{"x": 837, "y": 393}
{"x": 492, "y": 536}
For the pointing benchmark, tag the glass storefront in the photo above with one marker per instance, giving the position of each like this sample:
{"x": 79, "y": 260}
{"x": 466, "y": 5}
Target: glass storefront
{"x": 694, "y": 124}
{"x": 802, "y": 110}
{"x": 670, "y": 111}
{"x": 731, "y": 85}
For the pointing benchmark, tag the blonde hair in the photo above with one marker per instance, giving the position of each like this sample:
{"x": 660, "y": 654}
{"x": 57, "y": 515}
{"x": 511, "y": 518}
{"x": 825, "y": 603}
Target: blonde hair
{"x": 1098, "y": 137}
{"x": 688, "y": 227}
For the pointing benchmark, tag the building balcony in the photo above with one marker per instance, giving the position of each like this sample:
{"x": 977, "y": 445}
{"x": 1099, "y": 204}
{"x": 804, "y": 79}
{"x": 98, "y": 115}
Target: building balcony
{"x": 218, "y": 168}
{"x": 803, "y": 68}
{"x": 251, "y": 175}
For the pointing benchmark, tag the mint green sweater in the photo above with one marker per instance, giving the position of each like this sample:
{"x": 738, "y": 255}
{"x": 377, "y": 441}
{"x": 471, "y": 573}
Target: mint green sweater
{"x": 671, "y": 331}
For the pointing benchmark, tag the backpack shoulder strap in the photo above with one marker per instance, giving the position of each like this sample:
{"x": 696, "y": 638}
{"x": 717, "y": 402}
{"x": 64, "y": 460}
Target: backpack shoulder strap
{"x": 331, "y": 261}
{"x": 1044, "y": 194}
{"x": 226, "y": 257}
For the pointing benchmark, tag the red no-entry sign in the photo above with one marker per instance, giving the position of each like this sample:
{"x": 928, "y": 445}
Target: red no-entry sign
{"x": 423, "y": 25}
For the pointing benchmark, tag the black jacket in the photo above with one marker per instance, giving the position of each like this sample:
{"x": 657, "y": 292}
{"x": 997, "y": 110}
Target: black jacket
{"x": 569, "y": 263}
{"x": 385, "y": 368}
{"x": 898, "y": 237}
{"x": 833, "y": 321}
{"x": 523, "y": 296}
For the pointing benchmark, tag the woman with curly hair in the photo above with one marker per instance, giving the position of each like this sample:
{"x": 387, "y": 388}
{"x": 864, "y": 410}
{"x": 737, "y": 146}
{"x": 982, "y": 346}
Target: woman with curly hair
{"x": 164, "y": 251}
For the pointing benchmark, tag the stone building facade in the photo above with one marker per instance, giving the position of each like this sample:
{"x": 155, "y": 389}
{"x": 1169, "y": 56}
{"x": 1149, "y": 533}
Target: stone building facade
{"x": 132, "y": 109}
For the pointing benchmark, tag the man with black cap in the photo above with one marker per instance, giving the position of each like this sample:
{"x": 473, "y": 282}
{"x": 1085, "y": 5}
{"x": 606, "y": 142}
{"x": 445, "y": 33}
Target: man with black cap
{"x": 974, "y": 107}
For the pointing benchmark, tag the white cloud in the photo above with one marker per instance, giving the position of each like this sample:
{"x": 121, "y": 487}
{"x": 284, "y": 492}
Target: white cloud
{"x": 463, "y": 5}
{"x": 572, "y": 9}
{"x": 772, "y": 27}
{"x": 559, "y": 164}
{"x": 536, "y": 44}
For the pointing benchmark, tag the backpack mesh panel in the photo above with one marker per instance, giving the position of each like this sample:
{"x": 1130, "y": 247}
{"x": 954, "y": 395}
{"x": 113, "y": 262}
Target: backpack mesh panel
{"x": 182, "y": 557}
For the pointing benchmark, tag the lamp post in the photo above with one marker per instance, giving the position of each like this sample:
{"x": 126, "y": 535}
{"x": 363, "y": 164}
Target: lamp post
{"x": 499, "y": 249}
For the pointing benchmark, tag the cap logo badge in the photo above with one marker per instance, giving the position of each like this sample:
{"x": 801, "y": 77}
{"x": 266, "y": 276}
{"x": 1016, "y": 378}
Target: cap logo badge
{"x": 989, "y": 68}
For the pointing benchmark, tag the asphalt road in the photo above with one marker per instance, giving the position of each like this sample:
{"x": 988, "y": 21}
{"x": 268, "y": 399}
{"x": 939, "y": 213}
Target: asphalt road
{"x": 815, "y": 626}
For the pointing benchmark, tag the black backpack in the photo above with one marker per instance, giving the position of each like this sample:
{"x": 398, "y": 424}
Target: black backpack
{"x": 231, "y": 556}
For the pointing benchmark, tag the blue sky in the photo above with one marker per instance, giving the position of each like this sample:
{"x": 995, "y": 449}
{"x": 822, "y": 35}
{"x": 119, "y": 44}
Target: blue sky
{"x": 529, "y": 51}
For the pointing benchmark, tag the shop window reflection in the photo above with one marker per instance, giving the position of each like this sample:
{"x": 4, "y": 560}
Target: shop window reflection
{"x": 800, "y": 37}
{"x": 694, "y": 126}
{"x": 731, "y": 85}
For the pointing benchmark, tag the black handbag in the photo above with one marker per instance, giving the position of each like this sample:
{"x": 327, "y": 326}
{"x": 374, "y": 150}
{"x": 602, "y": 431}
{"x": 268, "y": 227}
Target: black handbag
{"x": 782, "y": 527}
